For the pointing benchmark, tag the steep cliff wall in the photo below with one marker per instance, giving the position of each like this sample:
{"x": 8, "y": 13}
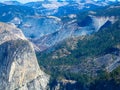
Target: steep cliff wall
{"x": 19, "y": 69}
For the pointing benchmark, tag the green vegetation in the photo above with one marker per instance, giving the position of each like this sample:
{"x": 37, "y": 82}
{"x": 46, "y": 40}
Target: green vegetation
{"x": 94, "y": 45}
{"x": 103, "y": 42}
{"x": 107, "y": 81}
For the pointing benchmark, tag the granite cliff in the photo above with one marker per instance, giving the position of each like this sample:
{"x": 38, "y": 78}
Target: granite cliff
{"x": 19, "y": 69}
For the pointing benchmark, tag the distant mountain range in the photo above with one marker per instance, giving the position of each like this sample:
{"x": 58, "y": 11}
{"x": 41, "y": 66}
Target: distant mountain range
{"x": 78, "y": 1}
{"x": 48, "y": 23}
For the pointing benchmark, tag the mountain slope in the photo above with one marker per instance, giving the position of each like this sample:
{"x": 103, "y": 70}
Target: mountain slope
{"x": 84, "y": 57}
{"x": 18, "y": 64}
{"x": 46, "y": 27}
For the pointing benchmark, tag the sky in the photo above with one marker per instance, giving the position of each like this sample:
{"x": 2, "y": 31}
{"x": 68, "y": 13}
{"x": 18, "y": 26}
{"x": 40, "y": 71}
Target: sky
{"x": 25, "y": 1}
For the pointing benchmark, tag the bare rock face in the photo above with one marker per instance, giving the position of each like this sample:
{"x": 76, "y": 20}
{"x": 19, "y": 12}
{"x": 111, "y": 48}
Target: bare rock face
{"x": 19, "y": 69}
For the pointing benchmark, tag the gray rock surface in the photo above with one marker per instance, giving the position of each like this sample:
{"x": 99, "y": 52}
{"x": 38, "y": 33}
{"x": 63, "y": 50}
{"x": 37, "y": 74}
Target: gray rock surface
{"x": 19, "y": 69}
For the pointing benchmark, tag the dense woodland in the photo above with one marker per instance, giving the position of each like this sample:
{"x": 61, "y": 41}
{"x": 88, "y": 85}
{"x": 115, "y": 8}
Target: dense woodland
{"x": 100, "y": 43}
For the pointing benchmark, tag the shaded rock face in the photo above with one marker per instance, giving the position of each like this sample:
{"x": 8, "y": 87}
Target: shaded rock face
{"x": 19, "y": 69}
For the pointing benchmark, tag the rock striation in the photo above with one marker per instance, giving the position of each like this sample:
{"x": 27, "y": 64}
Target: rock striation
{"x": 19, "y": 69}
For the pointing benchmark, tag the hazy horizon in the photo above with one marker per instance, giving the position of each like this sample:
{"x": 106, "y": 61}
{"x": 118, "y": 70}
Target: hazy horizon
{"x": 25, "y": 1}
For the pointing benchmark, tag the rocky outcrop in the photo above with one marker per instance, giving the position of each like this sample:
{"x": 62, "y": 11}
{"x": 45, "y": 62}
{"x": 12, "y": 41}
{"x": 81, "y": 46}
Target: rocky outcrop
{"x": 99, "y": 22}
{"x": 19, "y": 69}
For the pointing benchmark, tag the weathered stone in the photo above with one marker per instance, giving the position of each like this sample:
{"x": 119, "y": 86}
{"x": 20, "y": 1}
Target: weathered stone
{"x": 19, "y": 69}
